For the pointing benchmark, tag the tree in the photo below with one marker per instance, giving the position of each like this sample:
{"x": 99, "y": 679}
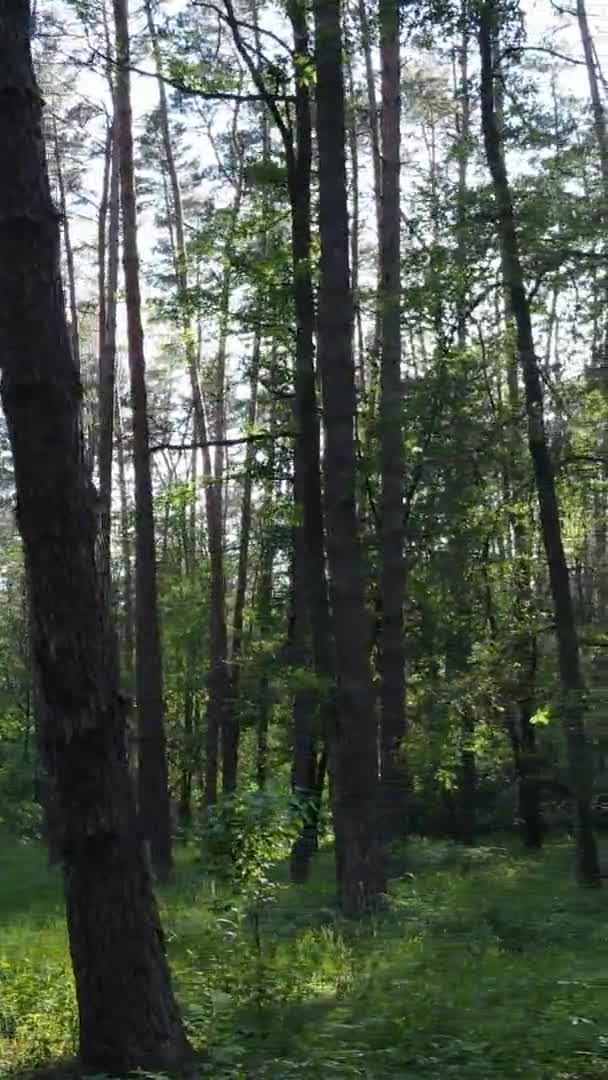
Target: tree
{"x": 353, "y": 754}
{"x": 128, "y": 1017}
{"x": 573, "y": 704}
{"x": 152, "y": 763}
{"x": 392, "y": 650}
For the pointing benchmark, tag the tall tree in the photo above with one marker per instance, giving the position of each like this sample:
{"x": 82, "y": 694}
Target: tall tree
{"x": 353, "y": 752}
{"x": 108, "y": 301}
{"x": 573, "y": 690}
{"x": 392, "y": 587}
{"x": 153, "y": 788}
{"x": 601, "y": 135}
{"x": 312, "y": 730}
{"x": 67, "y": 244}
{"x": 297, "y": 145}
{"x": 128, "y": 1017}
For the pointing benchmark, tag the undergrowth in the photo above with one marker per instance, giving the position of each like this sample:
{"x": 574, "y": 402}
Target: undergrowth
{"x": 487, "y": 965}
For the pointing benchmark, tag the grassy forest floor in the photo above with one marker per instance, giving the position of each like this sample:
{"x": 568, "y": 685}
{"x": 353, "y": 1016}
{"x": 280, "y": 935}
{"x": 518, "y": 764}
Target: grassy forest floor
{"x": 488, "y": 964}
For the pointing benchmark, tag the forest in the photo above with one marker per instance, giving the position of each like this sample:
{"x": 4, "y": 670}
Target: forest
{"x": 303, "y": 539}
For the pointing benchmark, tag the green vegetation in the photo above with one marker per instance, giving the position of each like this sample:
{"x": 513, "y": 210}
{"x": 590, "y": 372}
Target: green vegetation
{"x": 486, "y": 965}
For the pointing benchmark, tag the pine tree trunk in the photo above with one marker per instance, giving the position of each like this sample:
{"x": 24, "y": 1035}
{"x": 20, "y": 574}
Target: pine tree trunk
{"x": 107, "y": 367}
{"x": 314, "y": 727}
{"x": 521, "y": 728}
{"x": 353, "y": 149}
{"x": 573, "y": 690}
{"x": 128, "y": 1017}
{"x": 102, "y": 238}
{"x": 153, "y": 788}
{"x": 218, "y": 682}
{"x": 128, "y": 650}
{"x": 374, "y": 133}
{"x": 244, "y": 544}
{"x": 264, "y": 615}
{"x": 353, "y": 750}
{"x": 599, "y": 113}
{"x": 68, "y": 250}
{"x": 393, "y": 791}
{"x": 306, "y": 451}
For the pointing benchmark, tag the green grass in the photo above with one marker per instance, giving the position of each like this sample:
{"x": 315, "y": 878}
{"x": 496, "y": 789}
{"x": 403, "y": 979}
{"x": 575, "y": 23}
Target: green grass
{"x": 487, "y": 966}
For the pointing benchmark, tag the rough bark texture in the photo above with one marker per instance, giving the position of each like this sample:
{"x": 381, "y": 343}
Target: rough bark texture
{"x": 127, "y": 1013}
{"x": 573, "y": 690}
{"x": 353, "y": 753}
{"x": 152, "y": 762}
{"x": 392, "y": 585}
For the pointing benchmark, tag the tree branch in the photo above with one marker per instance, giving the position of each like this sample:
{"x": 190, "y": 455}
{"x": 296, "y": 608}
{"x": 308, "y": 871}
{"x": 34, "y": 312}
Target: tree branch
{"x": 262, "y": 436}
{"x": 264, "y": 97}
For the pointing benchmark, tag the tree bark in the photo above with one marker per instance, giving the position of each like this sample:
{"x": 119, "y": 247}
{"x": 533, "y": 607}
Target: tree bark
{"x": 152, "y": 762}
{"x": 597, "y": 105}
{"x": 353, "y": 149}
{"x": 107, "y": 366}
{"x": 128, "y": 636}
{"x": 392, "y": 582}
{"x": 264, "y": 617}
{"x": 68, "y": 250}
{"x": 312, "y": 728}
{"x": 353, "y": 751}
{"x": 244, "y": 537}
{"x": 220, "y": 714}
{"x": 128, "y": 1018}
{"x": 375, "y": 135}
{"x": 573, "y": 690}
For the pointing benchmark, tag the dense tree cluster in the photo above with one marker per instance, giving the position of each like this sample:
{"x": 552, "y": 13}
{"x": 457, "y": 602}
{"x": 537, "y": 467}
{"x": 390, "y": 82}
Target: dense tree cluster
{"x": 304, "y": 341}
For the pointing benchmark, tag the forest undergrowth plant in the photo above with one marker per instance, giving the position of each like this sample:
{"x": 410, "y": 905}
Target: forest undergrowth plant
{"x": 243, "y": 839}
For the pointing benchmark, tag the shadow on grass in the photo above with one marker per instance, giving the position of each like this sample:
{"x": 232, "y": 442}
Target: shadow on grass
{"x": 29, "y": 887}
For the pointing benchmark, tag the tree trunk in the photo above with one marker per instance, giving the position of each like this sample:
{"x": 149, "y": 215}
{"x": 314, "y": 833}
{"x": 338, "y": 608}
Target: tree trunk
{"x": 244, "y": 544}
{"x": 102, "y": 238}
{"x": 597, "y": 105}
{"x": 521, "y": 729}
{"x": 221, "y": 712}
{"x": 107, "y": 368}
{"x": 315, "y": 727}
{"x": 573, "y": 703}
{"x": 264, "y": 618}
{"x": 153, "y": 788}
{"x": 125, "y": 547}
{"x": 392, "y": 584}
{"x": 128, "y": 1018}
{"x": 218, "y": 677}
{"x": 305, "y": 711}
{"x": 68, "y": 250}
{"x": 353, "y": 752}
{"x": 353, "y": 149}
{"x": 374, "y": 132}
{"x": 306, "y": 452}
